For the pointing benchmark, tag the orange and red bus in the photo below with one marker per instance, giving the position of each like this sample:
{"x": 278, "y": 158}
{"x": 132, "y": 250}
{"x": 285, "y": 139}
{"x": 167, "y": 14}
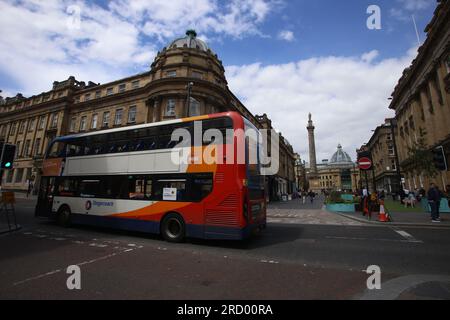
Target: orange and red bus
{"x": 126, "y": 178}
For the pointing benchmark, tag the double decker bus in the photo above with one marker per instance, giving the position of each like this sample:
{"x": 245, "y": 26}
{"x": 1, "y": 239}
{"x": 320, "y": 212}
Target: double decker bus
{"x": 127, "y": 178}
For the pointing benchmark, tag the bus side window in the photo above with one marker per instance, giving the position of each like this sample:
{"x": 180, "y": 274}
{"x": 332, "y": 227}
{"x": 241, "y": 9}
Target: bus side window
{"x": 89, "y": 188}
{"x": 137, "y": 188}
{"x": 148, "y": 188}
{"x": 201, "y": 187}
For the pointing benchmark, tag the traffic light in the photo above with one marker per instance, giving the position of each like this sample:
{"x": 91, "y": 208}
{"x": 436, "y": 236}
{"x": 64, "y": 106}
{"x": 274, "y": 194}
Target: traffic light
{"x": 440, "y": 162}
{"x": 8, "y": 152}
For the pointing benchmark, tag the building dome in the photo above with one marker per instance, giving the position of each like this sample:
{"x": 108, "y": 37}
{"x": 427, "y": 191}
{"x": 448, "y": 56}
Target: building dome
{"x": 190, "y": 41}
{"x": 340, "y": 157}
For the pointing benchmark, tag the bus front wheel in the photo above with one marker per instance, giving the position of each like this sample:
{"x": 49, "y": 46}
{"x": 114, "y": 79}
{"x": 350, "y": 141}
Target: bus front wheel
{"x": 173, "y": 228}
{"x": 64, "y": 216}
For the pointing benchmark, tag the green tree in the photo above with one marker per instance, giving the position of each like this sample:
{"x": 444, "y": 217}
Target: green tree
{"x": 421, "y": 158}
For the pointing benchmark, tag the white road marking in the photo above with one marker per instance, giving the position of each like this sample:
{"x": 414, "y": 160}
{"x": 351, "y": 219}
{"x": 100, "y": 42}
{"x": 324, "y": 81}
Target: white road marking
{"x": 367, "y": 239}
{"x": 47, "y": 274}
{"x": 407, "y": 236}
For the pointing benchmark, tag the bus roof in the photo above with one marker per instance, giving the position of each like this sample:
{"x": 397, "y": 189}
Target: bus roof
{"x": 146, "y": 125}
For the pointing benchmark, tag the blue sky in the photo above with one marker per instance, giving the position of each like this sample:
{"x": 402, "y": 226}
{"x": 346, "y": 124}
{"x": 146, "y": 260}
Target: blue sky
{"x": 282, "y": 57}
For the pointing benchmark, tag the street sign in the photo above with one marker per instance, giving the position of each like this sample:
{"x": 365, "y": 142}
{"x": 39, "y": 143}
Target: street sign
{"x": 365, "y": 163}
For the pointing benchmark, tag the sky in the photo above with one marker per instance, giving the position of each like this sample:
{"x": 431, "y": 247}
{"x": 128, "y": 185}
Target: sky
{"x": 283, "y": 58}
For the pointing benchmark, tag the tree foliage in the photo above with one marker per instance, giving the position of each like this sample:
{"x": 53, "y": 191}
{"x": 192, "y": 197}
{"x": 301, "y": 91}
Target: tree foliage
{"x": 421, "y": 158}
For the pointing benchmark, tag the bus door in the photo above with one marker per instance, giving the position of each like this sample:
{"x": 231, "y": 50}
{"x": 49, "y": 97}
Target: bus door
{"x": 45, "y": 198}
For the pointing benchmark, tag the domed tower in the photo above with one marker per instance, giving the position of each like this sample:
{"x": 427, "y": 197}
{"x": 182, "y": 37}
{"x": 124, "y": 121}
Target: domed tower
{"x": 187, "y": 68}
{"x": 341, "y": 158}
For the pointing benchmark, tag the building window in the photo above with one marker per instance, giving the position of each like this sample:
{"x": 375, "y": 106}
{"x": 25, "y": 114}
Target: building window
{"x": 54, "y": 122}
{"x": 77, "y": 99}
{"x": 60, "y": 94}
{"x": 194, "y": 108}
{"x": 31, "y": 125}
{"x": 37, "y": 146}
{"x": 19, "y": 176}
{"x": 106, "y": 116}
{"x": 394, "y": 165}
{"x": 94, "y": 121}
{"x": 109, "y": 91}
{"x": 98, "y": 94}
{"x": 26, "y": 149}
{"x": 13, "y": 129}
{"x": 118, "y": 117}
{"x": 132, "y": 114}
{"x": 122, "y": 87}
{"x": 391, "y": 151}
{"x": 72, "y": 124}
{"x": 18, "y": 154}
{"x": 135, "y": 84}
{"x": 41, "y": 123}
{"x": 87, "y": 97}
{"x": 197, "y": 75}
{"x": 170, "y": 108}
{"x": 22, "y": 127}
{"x": 171, "y": 74}
{"x": 83, "y": 123}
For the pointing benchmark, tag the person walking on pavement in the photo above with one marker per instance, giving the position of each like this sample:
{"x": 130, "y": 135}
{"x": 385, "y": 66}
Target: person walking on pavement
{"x": 312, "y": 195}
{"x": 434, "y": 200}
{"x": 304, "y": 196}
{"x": 30, "y": 188}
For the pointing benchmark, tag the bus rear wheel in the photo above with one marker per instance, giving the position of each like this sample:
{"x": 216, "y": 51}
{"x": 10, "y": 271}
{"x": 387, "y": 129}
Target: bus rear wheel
{"x": 64, "y": 216}
{"x": 173, "y": 228}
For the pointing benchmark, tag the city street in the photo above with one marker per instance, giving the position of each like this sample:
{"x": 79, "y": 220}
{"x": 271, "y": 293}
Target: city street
{"x": 297, "y": 257}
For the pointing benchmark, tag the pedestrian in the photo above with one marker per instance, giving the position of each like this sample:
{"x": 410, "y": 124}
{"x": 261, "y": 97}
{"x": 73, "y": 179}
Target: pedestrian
{"x": 304, "y": 194}
{"x": 30, "y": 188}
{"x": 312, "y": 195}
{"x": 434, "y": 200}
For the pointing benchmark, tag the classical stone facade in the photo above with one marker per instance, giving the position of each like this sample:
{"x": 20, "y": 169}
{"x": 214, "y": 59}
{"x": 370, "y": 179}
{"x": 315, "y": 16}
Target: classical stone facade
{"x": 338, "y": 174}
{"x": 421, "y": 99}
{"x": 186, "y": 70}
{"x": 385, "y": 170}
{"x": 284, "y": 182}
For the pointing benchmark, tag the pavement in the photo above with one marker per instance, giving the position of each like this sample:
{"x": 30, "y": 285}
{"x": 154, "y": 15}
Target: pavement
{"x": 295, "y": 212}
{"x": 297, "y": 258}
{"x": 412, "y": 219}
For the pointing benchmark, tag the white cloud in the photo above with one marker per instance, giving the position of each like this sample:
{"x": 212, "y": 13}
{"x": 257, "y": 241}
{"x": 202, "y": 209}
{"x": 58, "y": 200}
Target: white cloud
{"x": 370, "y": 56}
{"x": 286, "y": 35}
{"x": 416, "y": 5}
{"x": 111, "y": 42}
{"x": 405, "y": 8}
{"x": 346, "y": 95}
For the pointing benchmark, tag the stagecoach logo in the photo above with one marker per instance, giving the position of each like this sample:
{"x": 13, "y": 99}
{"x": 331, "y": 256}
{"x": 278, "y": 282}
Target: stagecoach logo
{"x": 88, "y": 205}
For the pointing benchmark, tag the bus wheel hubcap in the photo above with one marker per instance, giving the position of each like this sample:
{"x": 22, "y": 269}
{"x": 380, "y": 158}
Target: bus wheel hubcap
{"x": 173, "y": 228}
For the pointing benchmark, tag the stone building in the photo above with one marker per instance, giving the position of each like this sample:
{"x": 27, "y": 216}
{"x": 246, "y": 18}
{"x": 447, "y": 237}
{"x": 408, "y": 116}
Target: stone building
{"x": 381, "y": 147}
{"x": 338, "y": 174}
{"x": 284, "y": 182}
{"x": 186, "y": 68}
{"x": 421, "y": 99}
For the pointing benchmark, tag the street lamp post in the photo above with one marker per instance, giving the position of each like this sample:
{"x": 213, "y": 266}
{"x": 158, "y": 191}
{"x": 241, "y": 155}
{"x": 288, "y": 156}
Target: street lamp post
{"x": 189, "y": 92}
{"x": 393, "y": 123}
